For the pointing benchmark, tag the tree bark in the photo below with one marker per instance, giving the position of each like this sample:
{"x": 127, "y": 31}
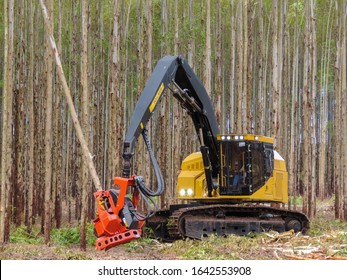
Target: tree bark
{"x": 31, "y": 129}
{"x": 344, "y": 106}
{"x": 6, "y": 160}
{"x": 275, "y": 127}
{"x": 207, "y": 66}
{"x": 85, "y": 121}
{"x": 48, "y": 129}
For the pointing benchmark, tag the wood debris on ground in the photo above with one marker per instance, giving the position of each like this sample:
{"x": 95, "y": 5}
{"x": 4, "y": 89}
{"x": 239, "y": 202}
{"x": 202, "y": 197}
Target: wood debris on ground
{"x": 295, "y": 246}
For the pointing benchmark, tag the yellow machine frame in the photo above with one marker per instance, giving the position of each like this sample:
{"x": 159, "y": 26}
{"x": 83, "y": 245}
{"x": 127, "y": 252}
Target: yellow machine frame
{"x": 191, "y": 183}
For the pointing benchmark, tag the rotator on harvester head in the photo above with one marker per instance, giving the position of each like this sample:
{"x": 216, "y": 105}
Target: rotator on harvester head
{"x": 117, "y": 220}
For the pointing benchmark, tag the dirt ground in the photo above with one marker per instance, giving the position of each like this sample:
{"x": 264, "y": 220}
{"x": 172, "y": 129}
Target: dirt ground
{"x": 326, "y": 240}
{"x": 332, "y": 245}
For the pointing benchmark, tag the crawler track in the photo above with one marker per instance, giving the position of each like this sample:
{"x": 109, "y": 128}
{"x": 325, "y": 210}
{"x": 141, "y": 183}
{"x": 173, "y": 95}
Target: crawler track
{"x": 199, "y": 221}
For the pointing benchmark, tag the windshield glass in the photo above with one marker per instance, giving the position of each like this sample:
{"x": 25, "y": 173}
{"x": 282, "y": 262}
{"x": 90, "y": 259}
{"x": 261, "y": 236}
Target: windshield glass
{"x": 233, "y": 165}
{"x": 242, "y": 167}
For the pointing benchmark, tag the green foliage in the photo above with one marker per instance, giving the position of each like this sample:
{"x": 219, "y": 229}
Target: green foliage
{"x": 138, "y": 245}
{"x": 320, "y": 226}
{"x": 65, "y": 236}
{"x": 71, "y": 235}
{"x": 295, "y": 200}
{"x": 21, "y": 235}
{"x": 342, "y": 253}
{"x": 296, "y": 13}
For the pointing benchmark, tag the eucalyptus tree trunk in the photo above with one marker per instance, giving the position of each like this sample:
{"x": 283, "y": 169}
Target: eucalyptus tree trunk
{"x": 48, "y": 128}
{"x": 306, "y": 141}
{"x": 6, "y": 159}
{"x": 191, "y": 42}
{"x": 292, "y": 160}
{"x": 275, "y": 127}
{"x": 313, "y": 49}
{"x": 232, "y": 99}
{"x": 219, "y": 75}
{"x": 19, "y": 116}
{"x": 114, "y": 92}
{"x": 31, "y": 128}
{"x": 344, "y": 107}
{"x": 337, "y": 116}
{"x": 322, "y": 169}
{"x": 244, "y": 114}
{"x": 86, "y": 190}
{"x": 58, "y": 140}
{"x": 148, "y": 72}
{"x": 249, "y": 40}
{"x": 207, "y": 61}
{"x": 176, "y": 129}
{"x": 239, "y": 68}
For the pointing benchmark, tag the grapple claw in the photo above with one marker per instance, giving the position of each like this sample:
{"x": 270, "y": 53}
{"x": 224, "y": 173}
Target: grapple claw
{"x": 116, "y": 221}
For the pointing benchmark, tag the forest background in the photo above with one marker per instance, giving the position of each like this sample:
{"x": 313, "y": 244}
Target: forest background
{"x": 276, "y": 68}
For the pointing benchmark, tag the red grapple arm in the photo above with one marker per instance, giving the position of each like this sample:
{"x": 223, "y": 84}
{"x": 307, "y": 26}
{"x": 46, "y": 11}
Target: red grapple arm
{"x": 116, "y": 222}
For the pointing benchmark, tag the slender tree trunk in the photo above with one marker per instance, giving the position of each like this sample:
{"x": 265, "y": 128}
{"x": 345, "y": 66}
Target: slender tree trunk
{"x": 250, "y": 71}
{"x": 292, "y": 147}
{"x": 275, "y": 128}
{"x": 191, "y": 42}
{"x": 18, "y": 198}
{"x": 48, "y": 129}
{"x": 239, "y": 68}
{"x": 207, "y": 67}
{"x": 245, "y": 99}
{"x": 259, "y": 120}
{"x": 31, "y": 129}
{"x": 231, "y": 111}
{"x": 344, "y": 106}
{"x": 85, "y": 120}
{"x": 58, "y": 137}
{"x": 6, "y": 160}
{"x": 323, "y": 178}
{"x": 337, "y": 118}
{"x": 306, "y": 137}
{"x": 219, "y": 75}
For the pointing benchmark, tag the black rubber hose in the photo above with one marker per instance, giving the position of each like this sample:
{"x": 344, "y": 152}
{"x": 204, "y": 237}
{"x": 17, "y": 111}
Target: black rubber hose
{"x": 157, "y": 171}
{"x": 146, "y": 193}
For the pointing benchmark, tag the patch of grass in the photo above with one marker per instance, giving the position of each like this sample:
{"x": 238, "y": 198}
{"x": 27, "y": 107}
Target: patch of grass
{"x": 215, "y": 248}
{"x": 342, "y": 253}
{"x": 297, "y": 200}
{"x": 21, "y": 235}
{"x": 320, "y": 226}
{"x": 342, "y": 237}
{"x": 71, "y": 235}
{"x": 19, "y": 251}
{"x": 138, "y": 245}
{"x": 70, "y": 254}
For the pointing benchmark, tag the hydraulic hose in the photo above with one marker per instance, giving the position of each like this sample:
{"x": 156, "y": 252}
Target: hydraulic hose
{"x": 146, "y": 193}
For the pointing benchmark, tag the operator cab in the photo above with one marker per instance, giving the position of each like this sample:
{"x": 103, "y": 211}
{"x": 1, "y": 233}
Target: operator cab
{"x": 247, "y": 162}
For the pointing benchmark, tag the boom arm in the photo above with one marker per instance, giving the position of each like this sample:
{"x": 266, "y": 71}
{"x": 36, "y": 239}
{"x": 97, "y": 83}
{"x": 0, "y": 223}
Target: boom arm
{"x": 189, "y": 91}
{"x": 117, "y": 220}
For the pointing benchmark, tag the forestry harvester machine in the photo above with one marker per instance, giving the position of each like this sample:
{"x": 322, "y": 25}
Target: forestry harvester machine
{"x": 224, "y": 182}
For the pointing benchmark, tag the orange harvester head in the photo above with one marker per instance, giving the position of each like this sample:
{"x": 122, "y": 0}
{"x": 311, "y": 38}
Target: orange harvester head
{"x": 116, "y": 221}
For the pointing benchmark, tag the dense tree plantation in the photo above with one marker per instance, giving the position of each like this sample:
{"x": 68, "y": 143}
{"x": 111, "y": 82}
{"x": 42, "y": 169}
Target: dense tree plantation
{"x": 276, "y": 68}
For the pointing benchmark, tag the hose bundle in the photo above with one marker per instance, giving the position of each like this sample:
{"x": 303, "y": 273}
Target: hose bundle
{"x": 146, "y": 193}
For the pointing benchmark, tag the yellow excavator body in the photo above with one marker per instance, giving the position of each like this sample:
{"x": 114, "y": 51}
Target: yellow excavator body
{"x": 191, "y": 184}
